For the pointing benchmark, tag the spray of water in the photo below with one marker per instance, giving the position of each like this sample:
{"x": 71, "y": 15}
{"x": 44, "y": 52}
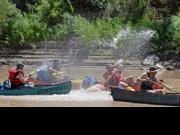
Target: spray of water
{"x": 121, "y": 35}
{"x": 128, "y": 43}
{"x": 131, "y": 43}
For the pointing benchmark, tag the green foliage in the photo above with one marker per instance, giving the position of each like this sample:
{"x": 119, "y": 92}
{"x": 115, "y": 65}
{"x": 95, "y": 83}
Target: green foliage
{"x": 109, "y": 27}
{"x": 51, "y": 11}
{"x": 99, "y": 3}
{"x": 97, "y": 30}
{"x": 84, "y": 29}
{"x": 23, "y": 29}
{"x": 6, "y": 9}
{"x": 37, "y": 20}
{"x": 163, "y": 39}
{"x": 129, "y": 10}
{"x": 176, "y": 28}
{"x": 3, "y": 9}
{"x": 25, "y": 5}
{"x": 27, "y": 28}
{"x": 57, "y": 32}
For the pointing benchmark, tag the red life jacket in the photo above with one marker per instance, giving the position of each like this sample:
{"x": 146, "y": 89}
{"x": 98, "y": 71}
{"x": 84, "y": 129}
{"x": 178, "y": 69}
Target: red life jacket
{"x": 116, "y": 78}
{"x": 13, "y": 73}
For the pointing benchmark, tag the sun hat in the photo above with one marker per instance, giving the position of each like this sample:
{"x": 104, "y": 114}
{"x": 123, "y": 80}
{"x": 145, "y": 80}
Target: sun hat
{"x": 108, "y": 66}
{"x": 19, "y": 63}
{"x": 152, "y": 69}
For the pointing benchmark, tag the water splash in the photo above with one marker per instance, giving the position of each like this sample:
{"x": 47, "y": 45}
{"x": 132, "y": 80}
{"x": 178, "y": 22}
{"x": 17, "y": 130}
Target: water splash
{"x": 131, "y": 43}
{"x": 128, "y": 43}
{"x": 121, "y": 35}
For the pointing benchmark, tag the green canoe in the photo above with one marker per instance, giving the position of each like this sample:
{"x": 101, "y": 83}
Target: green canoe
{"x": 63, "y": 88}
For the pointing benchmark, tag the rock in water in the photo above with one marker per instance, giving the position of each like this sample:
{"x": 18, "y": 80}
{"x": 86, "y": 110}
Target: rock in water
{"x": 170, "y": 68}
{"x": 159, "y": 66}
{"x": 151, "y": 60}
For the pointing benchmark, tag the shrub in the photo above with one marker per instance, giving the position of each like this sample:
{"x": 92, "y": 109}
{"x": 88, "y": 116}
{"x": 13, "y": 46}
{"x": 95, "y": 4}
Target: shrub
{"x": 51, "y": 11}
{"x": 23, "y": 29}
{"x": 100, "y": 29}
{"x": 176, "y": 33}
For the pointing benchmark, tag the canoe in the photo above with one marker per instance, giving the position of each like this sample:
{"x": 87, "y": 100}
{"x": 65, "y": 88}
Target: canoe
{"x": 76, "y": 83}
{"x": 149, "y": 98}
{"x": 63, "y": 88}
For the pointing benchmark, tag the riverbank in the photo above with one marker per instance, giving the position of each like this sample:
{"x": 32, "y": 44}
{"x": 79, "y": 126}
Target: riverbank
{"x": 84, "y": 57}
{"x": 74, "y": 57}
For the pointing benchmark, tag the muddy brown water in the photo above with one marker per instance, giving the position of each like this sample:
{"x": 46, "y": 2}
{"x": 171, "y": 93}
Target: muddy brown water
{"x": 80, "y": 98}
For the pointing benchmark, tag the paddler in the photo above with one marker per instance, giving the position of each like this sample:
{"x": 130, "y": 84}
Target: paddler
{"x": 17, "y": 77}
{"x": 150, "y": 82}
{"x": 55, "y": 72}
{"x": 113, "y": 77}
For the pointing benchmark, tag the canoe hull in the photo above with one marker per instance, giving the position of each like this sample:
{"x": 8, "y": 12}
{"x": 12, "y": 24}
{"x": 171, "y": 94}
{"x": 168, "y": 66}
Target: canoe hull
{"x": 63, "y": 88}
{"x": 149, "y": 98}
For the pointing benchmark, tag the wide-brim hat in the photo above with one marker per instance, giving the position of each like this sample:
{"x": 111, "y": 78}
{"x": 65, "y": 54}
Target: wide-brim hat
{"x": 152, "y": 70}
{"x": 20, "y": 64}
{"x": 108, "y": 66}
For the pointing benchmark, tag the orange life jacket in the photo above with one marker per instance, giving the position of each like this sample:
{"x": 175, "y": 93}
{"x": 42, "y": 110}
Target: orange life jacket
{"x": 137, "y": 86}
{"x": 157, "y": 86}
{"x": 13, "y": 73}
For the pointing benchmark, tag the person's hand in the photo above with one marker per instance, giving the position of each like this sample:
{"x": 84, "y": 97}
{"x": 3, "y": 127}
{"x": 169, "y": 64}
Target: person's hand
{"x": 147, "y": 80}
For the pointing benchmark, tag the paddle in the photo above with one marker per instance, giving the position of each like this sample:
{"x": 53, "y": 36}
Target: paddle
{"x": 31, "y": 73}
{"x": 167, "y": 87}
{"x": 176, "y": 87}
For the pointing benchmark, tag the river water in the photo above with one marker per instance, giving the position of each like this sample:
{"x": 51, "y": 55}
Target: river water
{"x": 80, "y": 98}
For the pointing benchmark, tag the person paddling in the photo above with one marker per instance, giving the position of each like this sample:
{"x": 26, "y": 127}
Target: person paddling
{"x": 17, "y": 77}
{"x": 150, "y": 82}
{"x": 55, "y": 72}
{"x": 113, "y": 77}
{"x": 108, "y": 75}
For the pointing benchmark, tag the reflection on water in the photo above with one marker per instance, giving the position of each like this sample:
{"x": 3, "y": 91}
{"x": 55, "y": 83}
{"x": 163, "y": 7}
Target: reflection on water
{"x": 82, "y": 98}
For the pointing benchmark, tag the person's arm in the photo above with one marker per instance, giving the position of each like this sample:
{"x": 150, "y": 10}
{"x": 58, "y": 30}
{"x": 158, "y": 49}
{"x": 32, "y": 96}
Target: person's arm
{"x": 22, "y": 79}
{"x": 105, "y": 75}
{"x": 163, "y": 84}
{"x": 167, "y": 87}
{"x": 110, "y": 76}
{"x": 157, "y": 80}
{"x": 51, "y": 70}
{"x": 142, "y": 78}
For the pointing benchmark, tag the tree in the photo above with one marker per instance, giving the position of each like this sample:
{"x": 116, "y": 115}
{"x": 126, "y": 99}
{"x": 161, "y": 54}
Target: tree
{"x": 176, "y": 26}
{"x": 4, "y": 9}
{"x": 24, "y": 5}
{"x": 51, "y": 11}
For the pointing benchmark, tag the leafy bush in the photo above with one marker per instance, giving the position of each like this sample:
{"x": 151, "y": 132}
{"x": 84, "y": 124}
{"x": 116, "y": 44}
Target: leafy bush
{"x": 3, "y": 9}
{"x": 23, "y": 29}
{"x": 51, "y": 11}
{"x": 57, "y": 32}
{"x": 99, "y": 3}
{"x": 176, "y": 27}
{"x": 37, "y": 20}
{"x": 85, "y": 30}
{"x": 100, "y": 29}
{"x": 7, "y": 10}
